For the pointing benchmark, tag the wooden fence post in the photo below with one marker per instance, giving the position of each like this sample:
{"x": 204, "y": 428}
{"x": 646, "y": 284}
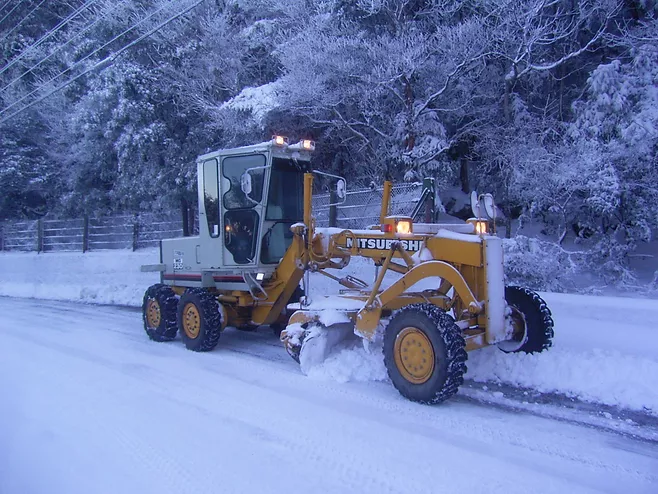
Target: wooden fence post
{"x": 135, "y": 232}
{"x": 85, "y": 233}
{"x": 40, "y": 235}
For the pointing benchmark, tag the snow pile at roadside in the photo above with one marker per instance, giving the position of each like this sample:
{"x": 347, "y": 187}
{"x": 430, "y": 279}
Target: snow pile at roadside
{"x": 605, "y": 350}
{"x": 102, "y": 277}
{"x": 595, "y": 375}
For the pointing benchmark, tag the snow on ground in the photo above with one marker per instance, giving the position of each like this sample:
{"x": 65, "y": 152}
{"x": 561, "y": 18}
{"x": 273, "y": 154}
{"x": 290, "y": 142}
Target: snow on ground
{"x": 605, "y": 348}
{"x": 90, "y": 405}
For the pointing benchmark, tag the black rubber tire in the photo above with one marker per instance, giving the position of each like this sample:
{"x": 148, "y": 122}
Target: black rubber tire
{"x": 449, "y": 351}
{"x": 165, "y": 298}
{"x": 538, "y": 318}
{"x": 210, "y": 319}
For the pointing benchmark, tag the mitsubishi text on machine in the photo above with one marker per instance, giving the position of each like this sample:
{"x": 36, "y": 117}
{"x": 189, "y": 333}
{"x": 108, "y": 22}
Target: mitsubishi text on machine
{"x": 383, "y": 243}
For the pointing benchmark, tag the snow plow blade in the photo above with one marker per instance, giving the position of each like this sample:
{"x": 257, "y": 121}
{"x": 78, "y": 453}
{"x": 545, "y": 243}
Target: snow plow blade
{"x": 310, "y": 342}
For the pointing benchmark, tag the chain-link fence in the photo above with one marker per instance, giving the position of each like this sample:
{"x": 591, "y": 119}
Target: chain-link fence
{"x": 361, "y": 207}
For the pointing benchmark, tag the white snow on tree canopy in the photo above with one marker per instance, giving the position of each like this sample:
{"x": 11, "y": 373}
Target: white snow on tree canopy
{"x": 259, "y": 101}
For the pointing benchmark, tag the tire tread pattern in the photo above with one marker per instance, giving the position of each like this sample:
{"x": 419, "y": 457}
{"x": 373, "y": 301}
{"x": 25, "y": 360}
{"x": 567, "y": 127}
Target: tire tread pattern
{"x": 168, "y": 302}
{"x": 539, "y": 318}
{"x": 455, "y": 346}
{"x": 211, "y": 319}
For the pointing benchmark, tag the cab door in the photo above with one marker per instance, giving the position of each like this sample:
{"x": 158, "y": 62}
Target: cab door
{"x": 242, "y": 213}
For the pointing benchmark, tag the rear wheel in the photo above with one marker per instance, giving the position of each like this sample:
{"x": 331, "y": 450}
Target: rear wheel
{"x": 424, "y": 353}
{"x": 199, "y": 319}
{"x": 531, "y": 321}
{"x": 159, "y": 313}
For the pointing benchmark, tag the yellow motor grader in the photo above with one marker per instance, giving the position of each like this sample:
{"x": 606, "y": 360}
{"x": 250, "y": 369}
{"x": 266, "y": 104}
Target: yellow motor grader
{"x": 437, "y": 293}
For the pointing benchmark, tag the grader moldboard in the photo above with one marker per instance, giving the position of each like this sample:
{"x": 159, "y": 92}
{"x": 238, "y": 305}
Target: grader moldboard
{"x": 257, "y": 240}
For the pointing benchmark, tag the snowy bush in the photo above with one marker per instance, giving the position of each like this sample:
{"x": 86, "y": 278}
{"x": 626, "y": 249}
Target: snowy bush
{"x": 539, "y": 264}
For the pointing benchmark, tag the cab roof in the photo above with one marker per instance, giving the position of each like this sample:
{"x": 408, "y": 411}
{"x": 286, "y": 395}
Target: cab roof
{"x": 279, "y": 151}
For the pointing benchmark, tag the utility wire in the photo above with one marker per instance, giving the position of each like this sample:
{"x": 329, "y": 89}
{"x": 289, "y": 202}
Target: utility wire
{"x": 5, "y": 4}
{"x": 11, "y": 11}
{"x": 48, "y": 35}
{"x": 54, "y": 52}
{"x": 79, "y": 62}
{"x": 103, "y": 64}
{"x": 23, "y": 19}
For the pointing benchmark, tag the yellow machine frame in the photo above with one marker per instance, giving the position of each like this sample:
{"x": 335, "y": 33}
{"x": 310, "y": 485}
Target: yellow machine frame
{"x": 460, "y": 260}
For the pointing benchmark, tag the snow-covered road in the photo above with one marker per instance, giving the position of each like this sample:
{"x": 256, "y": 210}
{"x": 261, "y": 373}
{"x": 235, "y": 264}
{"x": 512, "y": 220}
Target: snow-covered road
{"x": 89, "y": 405}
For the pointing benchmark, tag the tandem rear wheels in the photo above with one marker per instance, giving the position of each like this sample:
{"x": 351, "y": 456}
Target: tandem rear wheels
{"x": 159, "y": 313}
{"x": 424, "y": 353}
{"x": 200, "y": 319}
{"x": 198, "y": 314}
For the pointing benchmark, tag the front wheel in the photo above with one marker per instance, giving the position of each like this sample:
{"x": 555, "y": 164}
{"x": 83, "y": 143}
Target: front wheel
{"x": 424, "y": 353}
{"x": 199, "y": 319}
{"x": 531, "y": 320}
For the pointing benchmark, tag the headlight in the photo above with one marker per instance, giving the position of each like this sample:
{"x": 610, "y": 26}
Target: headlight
{"x": 280, "y": 140}
{"x": 481, "y": 227}
{"x": 403, "y": 226}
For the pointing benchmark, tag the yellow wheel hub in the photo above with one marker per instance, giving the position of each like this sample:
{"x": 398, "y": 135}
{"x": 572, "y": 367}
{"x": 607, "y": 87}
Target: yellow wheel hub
{"x": 153, "y": 316}
{"x": 191, "y": 320}
{"x": 414, "y": 355}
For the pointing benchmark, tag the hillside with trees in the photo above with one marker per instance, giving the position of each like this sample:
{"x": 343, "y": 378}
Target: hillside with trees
{"x": 551, "y": 105}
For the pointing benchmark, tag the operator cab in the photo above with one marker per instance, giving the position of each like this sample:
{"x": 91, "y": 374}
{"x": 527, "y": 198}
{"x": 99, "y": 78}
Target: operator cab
{"x": 249, "y": 197}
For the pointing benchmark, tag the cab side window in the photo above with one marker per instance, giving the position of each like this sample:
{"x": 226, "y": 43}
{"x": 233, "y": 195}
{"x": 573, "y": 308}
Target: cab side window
{"x": 211, "y": 196}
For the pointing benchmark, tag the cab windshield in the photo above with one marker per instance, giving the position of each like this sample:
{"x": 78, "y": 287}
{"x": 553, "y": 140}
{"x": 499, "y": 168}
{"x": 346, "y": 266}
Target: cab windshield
{"x": 285, "y": 206}
{"x": 285, "y": 200}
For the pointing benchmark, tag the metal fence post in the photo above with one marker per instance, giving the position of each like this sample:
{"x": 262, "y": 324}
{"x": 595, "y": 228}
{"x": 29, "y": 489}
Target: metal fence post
{"x": 85, "y": 233}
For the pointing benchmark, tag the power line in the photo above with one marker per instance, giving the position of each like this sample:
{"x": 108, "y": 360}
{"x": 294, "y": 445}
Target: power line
{"x": 126, "y": 31}
{"x": 45, "y": 37}
{"x": 106, "y": 62}
{"x": 23, "y": 19}
{"x": 54, "y": 52}
{"x": 5, "y": 4}
{"x": 11, "y": 11}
